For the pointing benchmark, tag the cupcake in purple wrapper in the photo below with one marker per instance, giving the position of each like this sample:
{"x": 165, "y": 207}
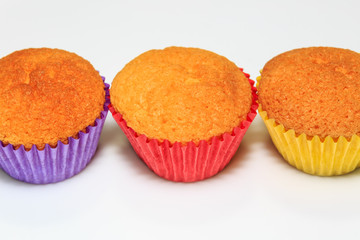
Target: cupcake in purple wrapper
{"x": 53, "y": 105}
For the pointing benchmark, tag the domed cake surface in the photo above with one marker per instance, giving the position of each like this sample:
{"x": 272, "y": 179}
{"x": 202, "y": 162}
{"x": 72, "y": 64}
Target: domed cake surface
{"x": 313, "y": 90}
{"x": 47, "y": 95}
{"x": 181, "y": 94}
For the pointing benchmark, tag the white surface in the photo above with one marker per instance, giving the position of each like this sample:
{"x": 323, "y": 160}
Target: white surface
{"x": 258, "y": 196}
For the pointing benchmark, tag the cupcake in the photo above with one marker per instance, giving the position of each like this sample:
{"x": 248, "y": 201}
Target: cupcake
{"x": 52, "y": 110}
{"x": 184, "y": 110}
{"x": 309, "y": 100}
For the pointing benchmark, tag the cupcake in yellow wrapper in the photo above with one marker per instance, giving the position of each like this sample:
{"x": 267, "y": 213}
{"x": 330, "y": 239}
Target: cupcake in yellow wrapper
{"x": 309, "y": 100}
{"x": 314, "y": 156}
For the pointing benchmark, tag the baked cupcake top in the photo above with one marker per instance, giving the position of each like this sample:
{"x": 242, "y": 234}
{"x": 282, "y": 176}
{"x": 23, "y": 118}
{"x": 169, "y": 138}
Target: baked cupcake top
{"x": 313, "y": 91}
{"x": 181, "y": 94}
{"x": 47, "y": 95}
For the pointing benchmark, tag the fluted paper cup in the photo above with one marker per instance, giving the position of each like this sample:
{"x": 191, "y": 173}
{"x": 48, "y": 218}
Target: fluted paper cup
{"x": 54, "y": 164}
{"x": 188, "y": 162}
{"x": 311, "y": 154}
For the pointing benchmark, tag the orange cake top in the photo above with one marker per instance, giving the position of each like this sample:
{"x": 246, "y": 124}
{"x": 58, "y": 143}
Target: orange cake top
{"x": 181, "y": 94}
{"x": 314, "y": 90}
{"x": 47, "y": 95}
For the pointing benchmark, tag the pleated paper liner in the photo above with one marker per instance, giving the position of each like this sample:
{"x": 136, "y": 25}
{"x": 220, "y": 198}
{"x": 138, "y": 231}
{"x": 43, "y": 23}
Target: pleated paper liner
{"x": 54, "y": 164}
{"x": 189, "y": 162}
{"x": 312, "y": 155}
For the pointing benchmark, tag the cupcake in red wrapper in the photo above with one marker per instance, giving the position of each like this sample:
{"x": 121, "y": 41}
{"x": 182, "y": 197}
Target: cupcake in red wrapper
{"x": 184, "y": 110}
{"x": 53, "y": 106}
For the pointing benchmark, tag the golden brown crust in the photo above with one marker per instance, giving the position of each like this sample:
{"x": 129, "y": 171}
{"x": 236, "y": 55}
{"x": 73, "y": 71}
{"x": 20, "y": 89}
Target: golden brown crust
{"x": 47, "y": 95}
{"x": 181, "y": 94}
{"x": 313, "y": 91}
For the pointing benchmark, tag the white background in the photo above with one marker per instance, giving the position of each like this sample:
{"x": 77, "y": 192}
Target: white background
{"x": 257, "y": 196}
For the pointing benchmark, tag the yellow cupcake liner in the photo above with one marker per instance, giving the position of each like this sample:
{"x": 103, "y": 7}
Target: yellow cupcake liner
{"x": 313, "y": 155}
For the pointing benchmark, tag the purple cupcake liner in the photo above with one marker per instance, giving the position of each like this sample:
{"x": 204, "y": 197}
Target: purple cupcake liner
{"x": 52, "y": 165}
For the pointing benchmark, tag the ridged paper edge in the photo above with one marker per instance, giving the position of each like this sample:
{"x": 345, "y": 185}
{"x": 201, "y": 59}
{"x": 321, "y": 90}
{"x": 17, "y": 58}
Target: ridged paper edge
{"x": 189, "y": 162}
{"x": 311, "y": 154}
{"x": 51, "y": 165}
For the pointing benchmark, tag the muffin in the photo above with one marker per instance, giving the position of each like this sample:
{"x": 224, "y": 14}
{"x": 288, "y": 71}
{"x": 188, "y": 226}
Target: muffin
{"x": 52, "y": 109}
{"x": 184, "y": 110}
{"x": 309, "y": 99}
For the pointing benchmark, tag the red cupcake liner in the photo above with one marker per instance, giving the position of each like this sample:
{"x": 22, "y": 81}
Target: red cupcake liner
{"x": 189, "y": 162}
